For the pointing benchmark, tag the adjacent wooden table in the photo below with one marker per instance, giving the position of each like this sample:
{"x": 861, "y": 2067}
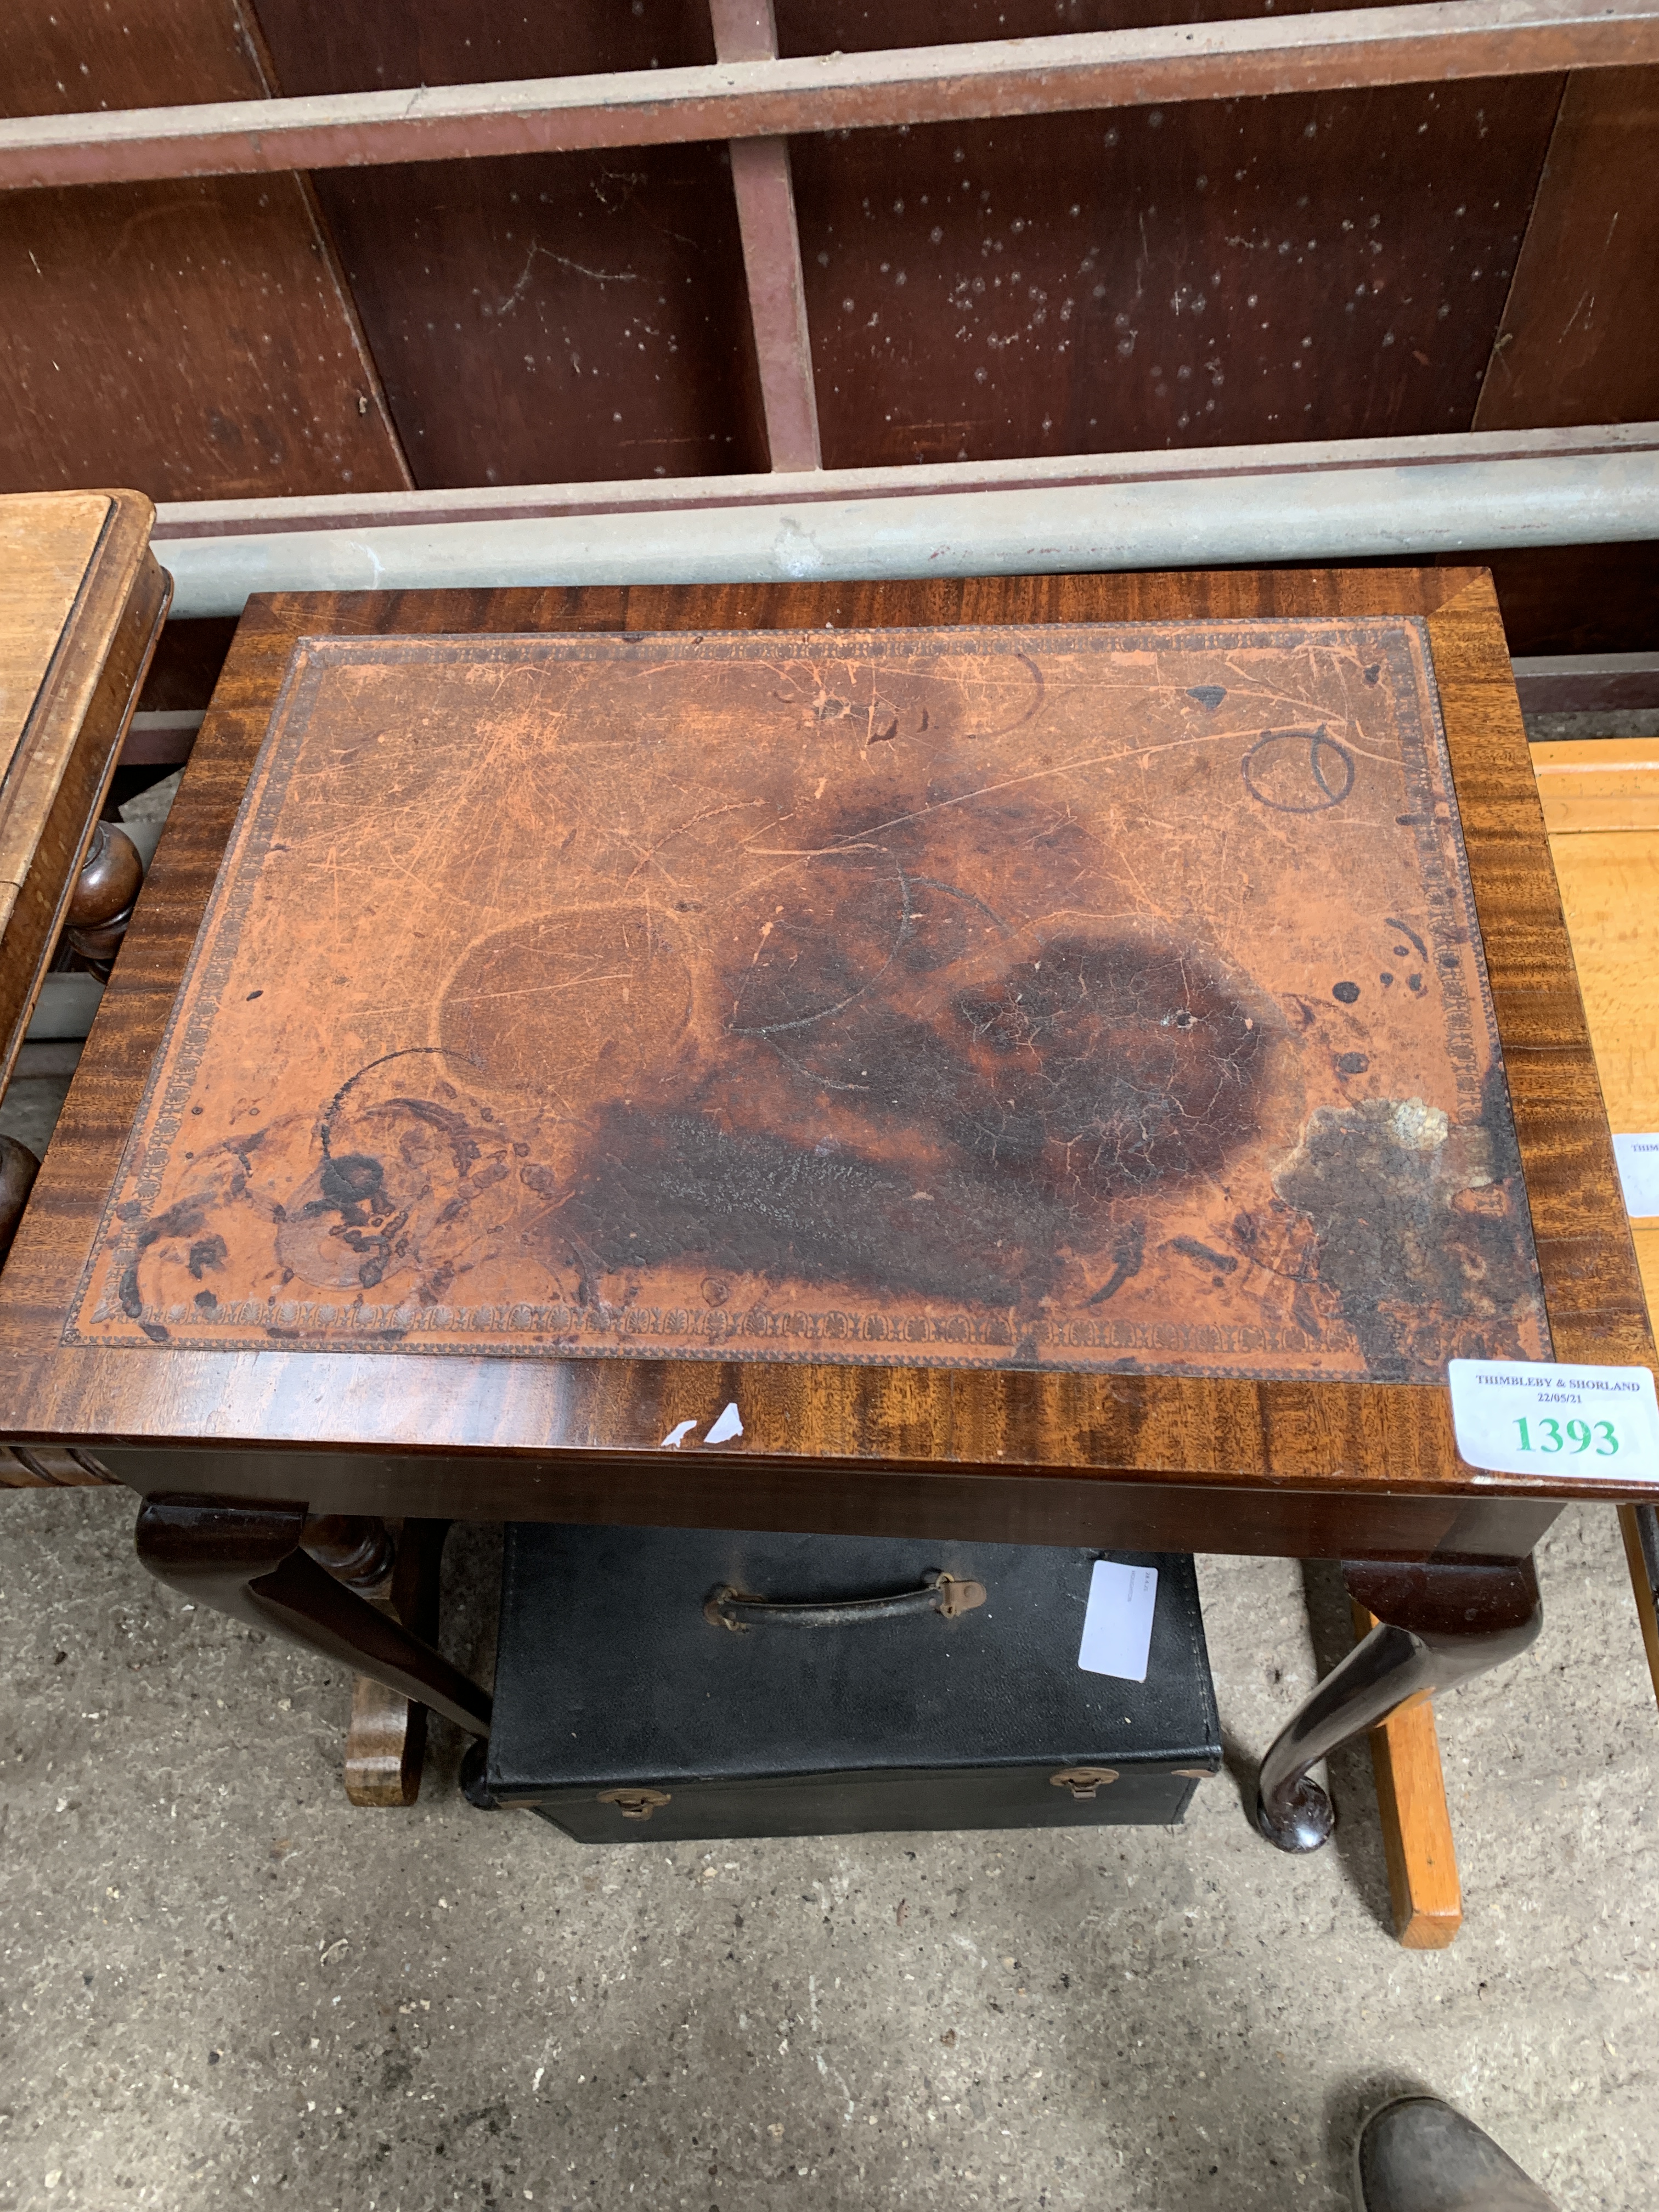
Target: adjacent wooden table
{"x": 1043, "y": 1052}
{"x": 81, "y": 604}
{"x": 1601, "y": 798}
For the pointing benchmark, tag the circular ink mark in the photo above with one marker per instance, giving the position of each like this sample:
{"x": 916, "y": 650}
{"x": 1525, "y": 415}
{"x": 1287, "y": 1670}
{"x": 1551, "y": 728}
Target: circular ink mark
{"x": 1353, "y": 1063}
{"x": 1348, "y": 993}
{"x": 1298, "y": 771}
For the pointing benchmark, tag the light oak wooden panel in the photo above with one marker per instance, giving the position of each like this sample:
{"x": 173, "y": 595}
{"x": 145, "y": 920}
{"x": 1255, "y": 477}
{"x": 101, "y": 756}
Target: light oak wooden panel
{"x": 1600, "y": 798}
{"x": 45, "y": 555}
{"x": 1424, "y": 1888}
{"x": 78, "y": 622}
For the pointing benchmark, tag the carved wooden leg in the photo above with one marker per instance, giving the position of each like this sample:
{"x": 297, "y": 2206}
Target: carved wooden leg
{"x": 250, "y": 1561}
{"x": 100, "y": 905}
{"x": 386, "y": 1739}
{"x": 1436, "y": 1625}
{"x": 356, "y": 1548}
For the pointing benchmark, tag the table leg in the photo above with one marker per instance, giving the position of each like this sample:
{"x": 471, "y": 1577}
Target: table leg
{"x": 1639, "y": 1525}
{"x": 1438, "y": 1624}
{"x": 386, "y": 1741}
{"x": 1417, "y": 1834}
{"x": 251, "y": 1562}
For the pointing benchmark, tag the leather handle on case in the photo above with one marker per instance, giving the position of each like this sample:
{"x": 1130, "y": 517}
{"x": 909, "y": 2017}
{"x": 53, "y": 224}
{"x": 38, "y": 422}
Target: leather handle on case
{"x": 946, "y": 1595}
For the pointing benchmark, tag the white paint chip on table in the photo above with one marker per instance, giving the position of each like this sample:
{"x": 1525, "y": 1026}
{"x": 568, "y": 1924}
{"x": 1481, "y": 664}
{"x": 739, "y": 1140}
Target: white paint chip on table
{"x": 1117, "y": 1624}
{"x": 1638, "y": 1175}
{"x": 725, "y": 1427}
{"x": 1514, "y": 1417}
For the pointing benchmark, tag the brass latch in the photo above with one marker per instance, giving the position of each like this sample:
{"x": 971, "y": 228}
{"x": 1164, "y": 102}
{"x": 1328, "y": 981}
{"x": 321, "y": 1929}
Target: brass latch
{"x": 1082, "y": 1781}
{"x": 635, "y": 1804}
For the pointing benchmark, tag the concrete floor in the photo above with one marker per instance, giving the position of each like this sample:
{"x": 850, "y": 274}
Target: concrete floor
{"x": 223, "y": 1987}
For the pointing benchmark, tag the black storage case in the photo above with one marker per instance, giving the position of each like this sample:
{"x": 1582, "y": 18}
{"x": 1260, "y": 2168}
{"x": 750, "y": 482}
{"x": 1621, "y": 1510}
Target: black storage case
{"x": 625, "y": 1712}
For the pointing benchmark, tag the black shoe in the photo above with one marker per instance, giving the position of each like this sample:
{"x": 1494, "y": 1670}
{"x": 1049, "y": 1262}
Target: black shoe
{"x": 1416, "y": 2154}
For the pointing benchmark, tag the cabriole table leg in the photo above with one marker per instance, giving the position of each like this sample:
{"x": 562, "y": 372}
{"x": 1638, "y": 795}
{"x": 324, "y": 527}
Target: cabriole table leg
{"x": 1438, "y": 1624}
{"x": 250, "y": 1561}
{"x": 386, "y": 1741}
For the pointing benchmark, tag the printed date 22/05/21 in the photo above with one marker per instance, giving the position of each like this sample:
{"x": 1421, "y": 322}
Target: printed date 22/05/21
{"x": 1578, "y": 1437}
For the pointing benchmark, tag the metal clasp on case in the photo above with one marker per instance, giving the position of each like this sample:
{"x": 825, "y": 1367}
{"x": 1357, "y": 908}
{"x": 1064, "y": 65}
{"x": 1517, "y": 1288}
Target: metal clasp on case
{"x": 635, "y": 1804}
{"x": 1082, "y": 1781}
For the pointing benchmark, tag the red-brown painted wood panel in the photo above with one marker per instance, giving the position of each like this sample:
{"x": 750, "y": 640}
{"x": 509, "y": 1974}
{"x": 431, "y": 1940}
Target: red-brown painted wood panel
{"x": 373, "y": 46}
{"x": 191, "y": 339}
{"x": 1328, "y": 266}
{"x": 1580, "y": 340}
{"x": 548, "y": 319}
{"x": 555, "y": 318}
{"x": 1577, "y": 599}
{"x": 851, "y": 27}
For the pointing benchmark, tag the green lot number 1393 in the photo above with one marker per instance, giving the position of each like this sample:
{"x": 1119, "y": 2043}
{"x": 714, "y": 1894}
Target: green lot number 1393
{"x": 1577, "y": 1438}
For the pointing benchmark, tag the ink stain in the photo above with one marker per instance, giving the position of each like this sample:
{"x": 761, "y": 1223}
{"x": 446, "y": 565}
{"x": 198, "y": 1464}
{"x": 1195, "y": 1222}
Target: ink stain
{"x": 1421, "y": 1275}
{"x": 1128, "y": 1250}
{"x": 1109, "y": 1066}
{"x": 1298, "y": 771}
{"x": 1191, "y": 1249}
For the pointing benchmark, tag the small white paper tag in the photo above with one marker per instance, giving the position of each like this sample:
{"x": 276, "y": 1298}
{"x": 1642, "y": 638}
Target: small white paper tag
{"x": 1515, "y": 1417}
{"x": 729, "y": 1424}
{"x": 1117, "y": 1625}
{"x": 1638, "y": 1175}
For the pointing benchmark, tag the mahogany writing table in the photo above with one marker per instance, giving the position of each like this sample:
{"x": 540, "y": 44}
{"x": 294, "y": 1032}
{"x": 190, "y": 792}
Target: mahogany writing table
{"x": 1067, "y": 1059}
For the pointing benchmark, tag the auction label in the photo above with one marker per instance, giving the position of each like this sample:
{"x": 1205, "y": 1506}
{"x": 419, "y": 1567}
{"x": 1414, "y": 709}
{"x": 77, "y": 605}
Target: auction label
{"x": 1519, "y": 1418}
{"x": 1638, "y": 1175}
{"x": 1117, "y": 1621}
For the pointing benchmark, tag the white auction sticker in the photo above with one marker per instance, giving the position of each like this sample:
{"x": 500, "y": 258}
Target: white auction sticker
{"x": 1117, "y": 1625}
{"x": 1516, "y": 1418}
{"x": 1638, "y": 1175}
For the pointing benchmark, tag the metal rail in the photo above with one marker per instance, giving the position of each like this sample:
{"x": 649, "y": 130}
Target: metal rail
{"x": 1399, "y": 497}
{"x": 769, "y": 99}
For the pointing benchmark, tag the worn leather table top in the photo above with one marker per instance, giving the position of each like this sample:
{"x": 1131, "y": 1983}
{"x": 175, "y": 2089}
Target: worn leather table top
{"x": 1044, "y": 1049}
{"x": 1101, "y": 996}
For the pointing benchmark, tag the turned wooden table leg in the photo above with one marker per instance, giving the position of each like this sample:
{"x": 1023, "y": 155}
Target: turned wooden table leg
{"x": 386, "y": 1740}
{"x": 252, "y": 1562}
{"x": 1438, "y": 1624}
{"x": 356, "y": 1548}
{"x": 100, "y": 905}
